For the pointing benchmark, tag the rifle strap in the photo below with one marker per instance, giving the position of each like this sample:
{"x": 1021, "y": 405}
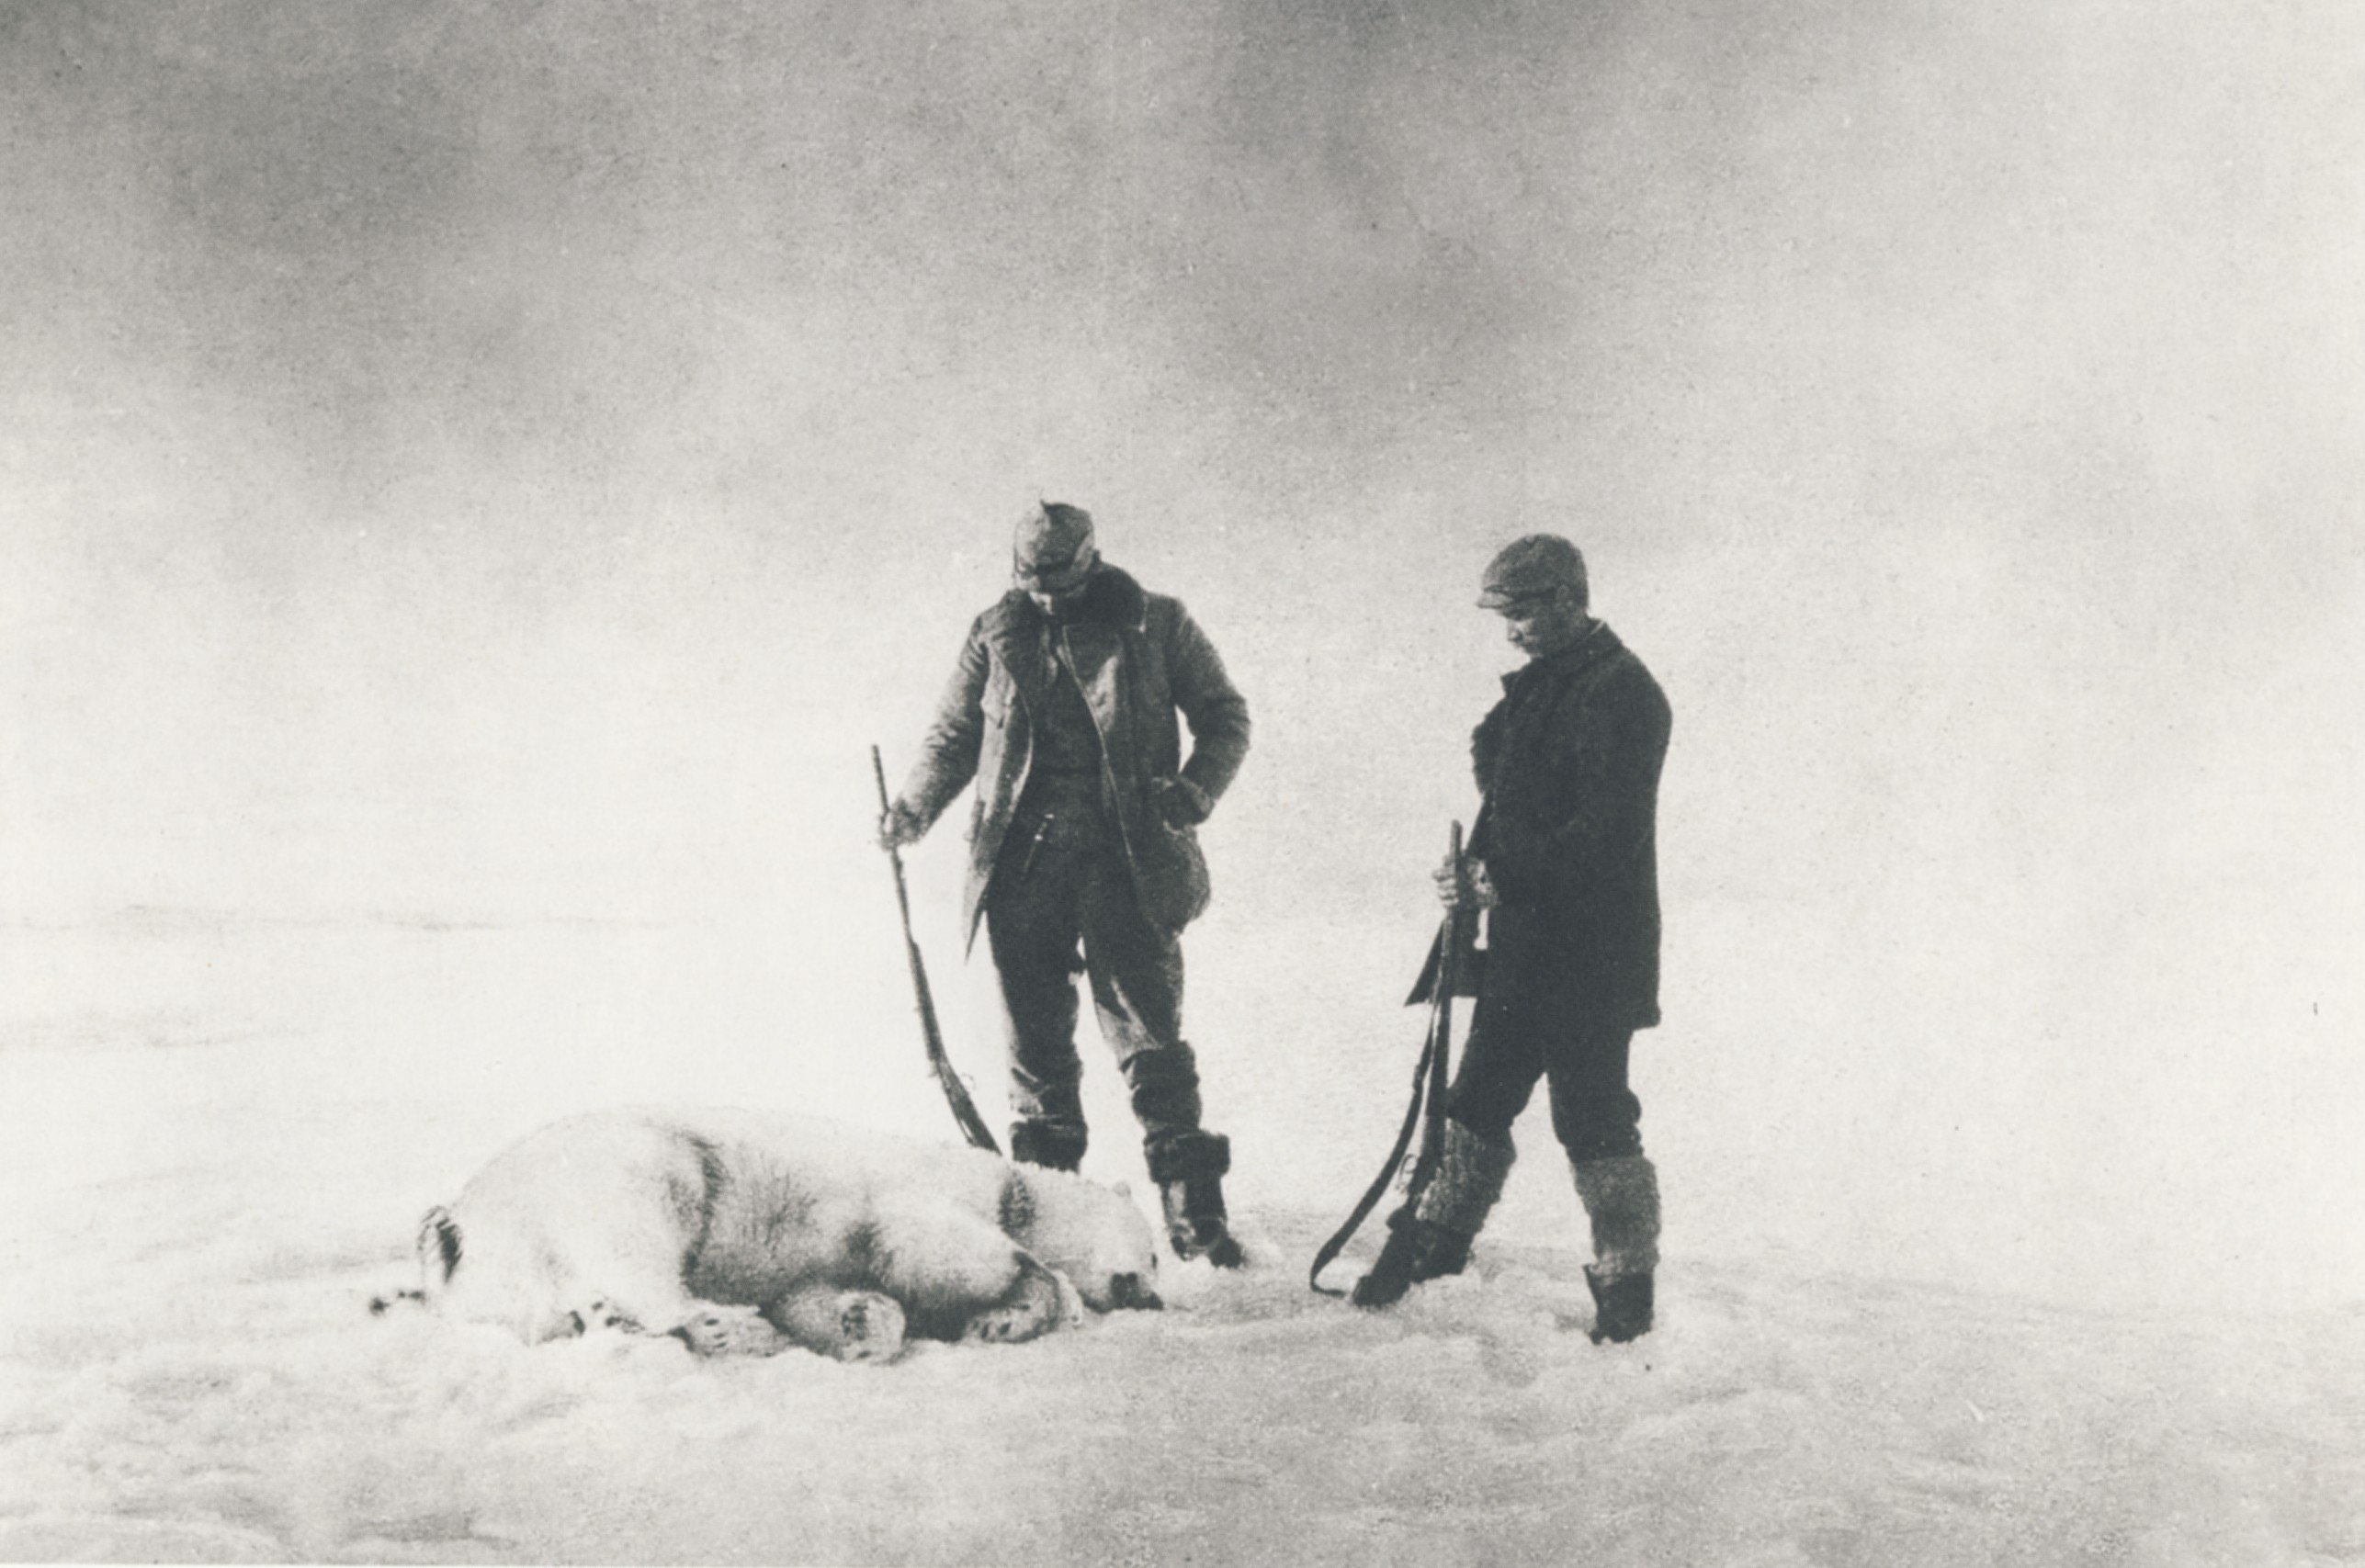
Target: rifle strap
{"x": 1428, "y": 1081}
{"x": 1388, "y": 1174}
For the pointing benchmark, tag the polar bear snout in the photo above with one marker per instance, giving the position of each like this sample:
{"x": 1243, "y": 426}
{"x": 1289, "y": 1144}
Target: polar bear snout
{"x": 1131, "y": 1292}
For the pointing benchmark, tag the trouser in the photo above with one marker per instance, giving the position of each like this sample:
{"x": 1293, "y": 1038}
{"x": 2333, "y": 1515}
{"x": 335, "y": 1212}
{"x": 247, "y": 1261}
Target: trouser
{"x": 1524, "y": 1031}
{"x": 1594, "y": 1113}
{"x": 1062, "y": 902}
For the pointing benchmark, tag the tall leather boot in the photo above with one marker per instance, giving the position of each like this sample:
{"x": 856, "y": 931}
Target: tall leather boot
{"x": 1431, "y": 1239}
{"x": 1621, "y": 1198}
{"x": 1189, "y": 1171}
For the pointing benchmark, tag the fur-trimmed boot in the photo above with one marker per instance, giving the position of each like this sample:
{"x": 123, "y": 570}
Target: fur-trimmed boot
{"x": 1190, "y": 1175}
{"x": 1621, "y": 1198}
{"x": 1431, "y": 1239}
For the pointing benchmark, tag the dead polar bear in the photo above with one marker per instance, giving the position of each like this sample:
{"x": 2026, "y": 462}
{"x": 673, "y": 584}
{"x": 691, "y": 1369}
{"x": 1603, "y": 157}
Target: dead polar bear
{"x": 742, "y": 1232}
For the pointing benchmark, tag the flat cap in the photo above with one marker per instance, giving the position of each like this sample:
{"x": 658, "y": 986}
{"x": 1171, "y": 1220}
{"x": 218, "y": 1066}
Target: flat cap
{"x": 1052, "y": 550}
{"x": 1528, "y": 568}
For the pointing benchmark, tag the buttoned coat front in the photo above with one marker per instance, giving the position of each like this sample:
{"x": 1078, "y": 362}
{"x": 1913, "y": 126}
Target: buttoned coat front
{"x": 1141, "y": 662}
{"x": 1568, "y": 764}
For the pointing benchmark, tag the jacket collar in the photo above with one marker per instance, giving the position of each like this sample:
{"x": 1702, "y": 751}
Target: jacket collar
{"x": 1113, "y": 600}
{"x": 1597, "y": 646}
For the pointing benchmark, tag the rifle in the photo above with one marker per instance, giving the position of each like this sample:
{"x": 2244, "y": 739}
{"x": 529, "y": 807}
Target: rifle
{"x": 1427, "y": 1106}
{"x": 956, "y": 1093}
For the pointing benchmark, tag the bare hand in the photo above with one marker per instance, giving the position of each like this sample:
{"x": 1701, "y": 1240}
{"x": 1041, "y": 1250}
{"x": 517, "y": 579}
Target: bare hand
{"x": 1463, "y": 884}
{"x": 1178, "y": 801}
{"x": 898, "y": 826}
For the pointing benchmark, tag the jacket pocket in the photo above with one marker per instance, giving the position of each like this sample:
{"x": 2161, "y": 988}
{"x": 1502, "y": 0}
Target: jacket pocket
{"x": 1173, "y": 875}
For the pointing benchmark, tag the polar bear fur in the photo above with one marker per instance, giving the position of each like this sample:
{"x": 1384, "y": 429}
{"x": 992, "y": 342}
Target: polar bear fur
{"x": 745, "y": 1231}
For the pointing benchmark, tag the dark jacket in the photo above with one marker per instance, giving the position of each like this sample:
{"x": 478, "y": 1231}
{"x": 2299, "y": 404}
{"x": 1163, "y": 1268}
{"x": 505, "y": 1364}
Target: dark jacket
{"x": 1141, "y": 660}
{"x": 1568, "y": 762}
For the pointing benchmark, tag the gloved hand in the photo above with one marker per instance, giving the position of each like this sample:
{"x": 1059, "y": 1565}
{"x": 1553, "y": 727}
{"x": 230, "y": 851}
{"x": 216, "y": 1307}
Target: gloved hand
{"x": 1464, "y": 884}
{"x": 1179, "y": 803}
{"x": 899, "y": 825}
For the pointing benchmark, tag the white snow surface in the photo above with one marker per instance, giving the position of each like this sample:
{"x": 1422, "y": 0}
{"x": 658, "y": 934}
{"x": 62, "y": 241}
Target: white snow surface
{"x": 475, "y": 479}
{"x": 219, "y": 1156}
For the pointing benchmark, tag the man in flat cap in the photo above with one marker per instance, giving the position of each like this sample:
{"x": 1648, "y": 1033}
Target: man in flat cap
{"x": 1083, "y": 853}
{"x": 1562, "y": 860}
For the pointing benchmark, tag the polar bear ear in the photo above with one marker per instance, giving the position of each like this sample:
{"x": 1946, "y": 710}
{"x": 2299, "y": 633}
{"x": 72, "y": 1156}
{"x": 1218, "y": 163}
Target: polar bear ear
{"x": 439, "y": 1239}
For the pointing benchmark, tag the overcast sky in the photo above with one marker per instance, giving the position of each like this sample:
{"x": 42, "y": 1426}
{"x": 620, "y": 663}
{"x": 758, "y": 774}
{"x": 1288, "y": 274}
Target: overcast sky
{"x": 511, "y": 460}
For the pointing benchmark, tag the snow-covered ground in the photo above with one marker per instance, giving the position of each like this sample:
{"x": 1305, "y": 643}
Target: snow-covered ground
{"x": 220, "y": 1131}
{"x": 474, "y": 480}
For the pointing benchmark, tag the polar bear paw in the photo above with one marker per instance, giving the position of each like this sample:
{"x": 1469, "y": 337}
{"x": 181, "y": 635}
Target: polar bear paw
{"x": 729, "y": 1331}
{"x": 604, "y": 1315}
{"x": 870, "y": 1326}
{"x": 850, "y": 1325}
{"x": 1035, "y": 1307}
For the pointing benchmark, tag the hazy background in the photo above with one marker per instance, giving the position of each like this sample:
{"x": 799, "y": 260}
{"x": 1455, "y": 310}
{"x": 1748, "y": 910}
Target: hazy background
{"x": 495, "y": 468}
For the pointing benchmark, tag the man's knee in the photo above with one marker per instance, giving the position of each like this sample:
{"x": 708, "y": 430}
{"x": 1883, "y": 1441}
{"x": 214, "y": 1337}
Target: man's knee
{"x": 1594, "y": 1113}
{"x": 1488, "y": 1103}
{"x": 1598, "y": 1126}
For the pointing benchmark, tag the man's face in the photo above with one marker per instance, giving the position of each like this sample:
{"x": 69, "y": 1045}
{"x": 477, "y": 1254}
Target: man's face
{"x": 1056, "y": 590}
{"x": 1542, "y": 624}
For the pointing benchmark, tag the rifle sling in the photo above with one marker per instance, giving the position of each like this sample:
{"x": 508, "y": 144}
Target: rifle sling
{"x": 1427, "y": 1095}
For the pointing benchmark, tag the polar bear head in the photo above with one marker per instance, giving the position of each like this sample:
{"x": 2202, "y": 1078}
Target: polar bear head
{"x": 438, "y": 1249}
{"x": 487, "y": 1278}
{"x": 1094, "y": 1237}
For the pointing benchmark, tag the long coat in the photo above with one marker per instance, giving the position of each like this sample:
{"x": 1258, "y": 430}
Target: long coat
{"x": 1568, "y": 765}
{"x": 1141, "y": 660}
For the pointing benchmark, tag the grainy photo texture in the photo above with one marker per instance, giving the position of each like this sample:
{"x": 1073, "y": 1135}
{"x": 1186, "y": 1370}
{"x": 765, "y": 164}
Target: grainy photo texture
{"x": 477, "y": 480}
